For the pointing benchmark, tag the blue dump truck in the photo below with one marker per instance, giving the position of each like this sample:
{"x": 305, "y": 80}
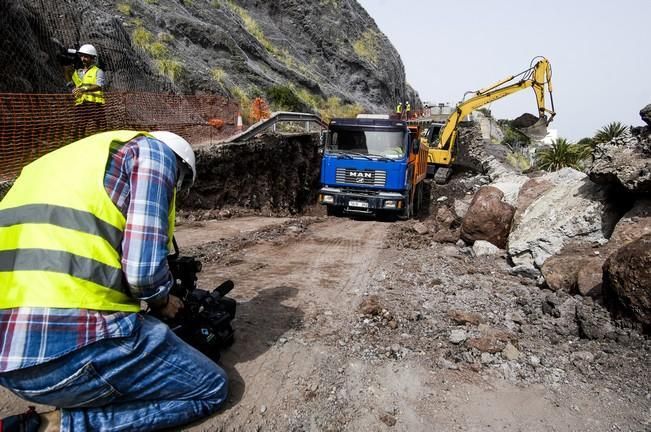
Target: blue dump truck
{"x": 372, "y": 165}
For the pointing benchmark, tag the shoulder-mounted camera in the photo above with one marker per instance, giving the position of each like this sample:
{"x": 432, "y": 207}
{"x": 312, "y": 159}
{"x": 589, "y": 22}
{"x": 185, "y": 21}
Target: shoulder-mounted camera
{"x": 205, "y": 320}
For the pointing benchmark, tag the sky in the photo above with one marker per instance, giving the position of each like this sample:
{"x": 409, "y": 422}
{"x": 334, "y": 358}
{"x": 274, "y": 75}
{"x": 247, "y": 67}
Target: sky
{"x": 599, "y": 51}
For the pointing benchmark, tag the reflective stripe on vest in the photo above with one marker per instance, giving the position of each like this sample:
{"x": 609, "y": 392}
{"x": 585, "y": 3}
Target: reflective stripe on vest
{"x": 60, "y": 233}
{"x": 90, "y": 78}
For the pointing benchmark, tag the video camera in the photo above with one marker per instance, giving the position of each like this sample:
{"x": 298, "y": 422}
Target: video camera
{"x": 205, "y": 320}
{"x": 69, "y": 57}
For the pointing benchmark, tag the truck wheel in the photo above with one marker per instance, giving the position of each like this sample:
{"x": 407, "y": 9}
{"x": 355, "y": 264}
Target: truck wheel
{"x": 418, "y": 205}
{"x": 408, "y": 211}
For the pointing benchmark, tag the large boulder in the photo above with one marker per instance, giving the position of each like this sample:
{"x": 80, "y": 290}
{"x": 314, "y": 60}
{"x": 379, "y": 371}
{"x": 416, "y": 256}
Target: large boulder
{"x": 578, "y": 267}
{"x": 576, "y": 262}
{"x": 530, "y": 191}
{"x": 504, "y": 178}
{"x": 634, "y": 224}
{"x": 645, "y": 114}
{"x": 488, "y": 218}
{"x": 627, "y": 281}
{"x": 569, "y": 206}
{"x": 624, "y": 161}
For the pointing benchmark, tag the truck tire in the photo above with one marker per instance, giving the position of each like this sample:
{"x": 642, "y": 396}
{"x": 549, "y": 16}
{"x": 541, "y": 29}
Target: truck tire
{"x": 408, "y": 211}
{"x": 418, "y": 205}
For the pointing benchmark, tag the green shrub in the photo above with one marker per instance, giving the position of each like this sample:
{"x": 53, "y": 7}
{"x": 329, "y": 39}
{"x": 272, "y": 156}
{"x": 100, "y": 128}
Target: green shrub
{"x": 218, "y": 74}
{"x": 518, "y": 160}
{"x": 333, "y": 108}
{"x": 514, "y": 138}
{"x": 142, "y": 37}
{"x": 309, "y": 99}
{"x": 172, "y": 69}
{"x": 252, "y": 27}
{"x": 609, "y": 132}
{"x": 124, "y": 8}
{"x": 588, "y": 142}
{"x": 244, "y": 100}
{"x": 562, "y": 154}
{"x": 158, "y": 51}
{"x": 284, "y": 98}
{"x": 367, "y": 47}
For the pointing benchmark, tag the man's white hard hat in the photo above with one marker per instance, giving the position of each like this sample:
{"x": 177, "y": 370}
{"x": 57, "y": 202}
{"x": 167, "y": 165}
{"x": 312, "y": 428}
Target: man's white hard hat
{"x": 88, "y": 49}
{"x": 180, "y": 147}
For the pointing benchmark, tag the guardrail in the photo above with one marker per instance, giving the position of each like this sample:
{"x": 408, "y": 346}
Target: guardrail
{"x": 278, "y": 117}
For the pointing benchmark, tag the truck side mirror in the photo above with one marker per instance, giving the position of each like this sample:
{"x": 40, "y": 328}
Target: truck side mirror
{"x": 416, "y": 145}
{"x": 324, "y": 141}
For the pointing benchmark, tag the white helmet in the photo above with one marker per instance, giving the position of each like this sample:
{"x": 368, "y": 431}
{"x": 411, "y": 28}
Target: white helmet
{"x": 88, "y": 49}
{"x": 179, "y": 146}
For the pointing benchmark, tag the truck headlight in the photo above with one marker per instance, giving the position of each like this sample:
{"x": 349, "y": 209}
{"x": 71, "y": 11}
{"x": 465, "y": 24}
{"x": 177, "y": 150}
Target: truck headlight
{"x": 327, "y": 199}
{"x": 390, "y": 204}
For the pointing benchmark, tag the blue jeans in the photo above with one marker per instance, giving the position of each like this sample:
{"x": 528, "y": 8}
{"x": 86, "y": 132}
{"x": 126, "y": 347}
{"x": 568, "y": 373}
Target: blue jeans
{"x": 147, "y": 381}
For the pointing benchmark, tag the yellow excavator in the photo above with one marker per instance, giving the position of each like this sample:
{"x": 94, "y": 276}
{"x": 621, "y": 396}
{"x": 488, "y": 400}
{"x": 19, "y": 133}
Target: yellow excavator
{"x": 442, "y": 153}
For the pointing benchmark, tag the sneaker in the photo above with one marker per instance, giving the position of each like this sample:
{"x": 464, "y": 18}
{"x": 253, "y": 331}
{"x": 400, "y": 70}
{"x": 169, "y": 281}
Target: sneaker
{"x": 26, "y": 422}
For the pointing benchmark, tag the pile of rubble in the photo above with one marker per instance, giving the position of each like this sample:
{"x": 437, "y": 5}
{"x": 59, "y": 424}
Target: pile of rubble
{"x": 571, "y": 232}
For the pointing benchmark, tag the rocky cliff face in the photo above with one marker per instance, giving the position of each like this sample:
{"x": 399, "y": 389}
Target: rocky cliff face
{"x": 243, "y": 48}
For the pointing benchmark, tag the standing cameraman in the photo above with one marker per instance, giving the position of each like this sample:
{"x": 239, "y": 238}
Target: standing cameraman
{"x": 84, "y": 236}
{"x": 88, "y": 91}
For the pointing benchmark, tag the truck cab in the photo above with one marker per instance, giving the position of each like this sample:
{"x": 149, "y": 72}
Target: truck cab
{"x": 372, "y": 165}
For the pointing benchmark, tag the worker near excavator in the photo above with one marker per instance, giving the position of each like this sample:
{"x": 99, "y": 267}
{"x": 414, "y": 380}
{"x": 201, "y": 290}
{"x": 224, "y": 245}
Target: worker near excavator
{"x": 407, "y": 110}
{"x": 399, "y": 109}
{"x": 88, "y": 82}
{"x": 84, "y": 236}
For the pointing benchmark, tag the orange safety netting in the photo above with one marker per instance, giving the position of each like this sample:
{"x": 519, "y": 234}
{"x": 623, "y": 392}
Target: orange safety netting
{"x": 34, "y": 124}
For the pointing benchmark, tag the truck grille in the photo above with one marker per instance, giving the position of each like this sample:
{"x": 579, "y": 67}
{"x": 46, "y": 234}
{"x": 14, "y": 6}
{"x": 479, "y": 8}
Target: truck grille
{"x": 361, "y": 177}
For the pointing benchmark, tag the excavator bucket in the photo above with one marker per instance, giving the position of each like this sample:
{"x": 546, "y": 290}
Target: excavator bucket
{"x": 533, "y": 127}
{"x": 536, "y": 131}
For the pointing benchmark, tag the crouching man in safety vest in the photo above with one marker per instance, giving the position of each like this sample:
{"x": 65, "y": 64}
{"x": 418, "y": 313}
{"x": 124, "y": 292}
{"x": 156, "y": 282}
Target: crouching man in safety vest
{"x": 84, "y": 236}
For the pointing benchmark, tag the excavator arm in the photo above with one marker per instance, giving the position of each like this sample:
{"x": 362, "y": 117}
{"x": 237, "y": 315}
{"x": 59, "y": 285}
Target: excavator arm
{"x": 537, "y": 77}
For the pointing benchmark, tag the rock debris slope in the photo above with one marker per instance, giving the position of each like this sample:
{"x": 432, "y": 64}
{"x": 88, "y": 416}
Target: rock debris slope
{"x": 319, "y": 48}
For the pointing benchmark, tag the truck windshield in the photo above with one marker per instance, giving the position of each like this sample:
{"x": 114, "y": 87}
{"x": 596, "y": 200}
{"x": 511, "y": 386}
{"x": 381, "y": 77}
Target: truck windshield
{"x": 388, "y": 144}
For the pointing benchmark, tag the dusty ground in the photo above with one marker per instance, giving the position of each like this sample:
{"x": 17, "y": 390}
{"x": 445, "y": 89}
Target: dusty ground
{"x": 443, "y": 342}
{"x": 307, "y": 358}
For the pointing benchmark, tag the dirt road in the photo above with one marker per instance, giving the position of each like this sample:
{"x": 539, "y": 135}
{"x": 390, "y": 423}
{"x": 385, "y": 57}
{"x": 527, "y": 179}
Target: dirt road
{"x": 307, "y": 358}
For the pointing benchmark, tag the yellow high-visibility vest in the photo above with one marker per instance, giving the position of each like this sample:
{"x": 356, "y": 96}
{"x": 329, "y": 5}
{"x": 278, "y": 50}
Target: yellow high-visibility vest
{"x": 90, "y": 78}
{"x": 61, "y": 234}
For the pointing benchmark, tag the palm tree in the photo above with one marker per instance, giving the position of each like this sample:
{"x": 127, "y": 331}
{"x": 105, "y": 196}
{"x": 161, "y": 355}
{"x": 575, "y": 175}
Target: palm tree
{"x": 562, "y": 154}
{"x": 610, "y": 131}
{"x": 590, "y": 142}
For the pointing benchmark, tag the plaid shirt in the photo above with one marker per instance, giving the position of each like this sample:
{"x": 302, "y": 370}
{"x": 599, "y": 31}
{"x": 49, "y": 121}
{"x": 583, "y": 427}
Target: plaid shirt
{"x": 140, "y": 178}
